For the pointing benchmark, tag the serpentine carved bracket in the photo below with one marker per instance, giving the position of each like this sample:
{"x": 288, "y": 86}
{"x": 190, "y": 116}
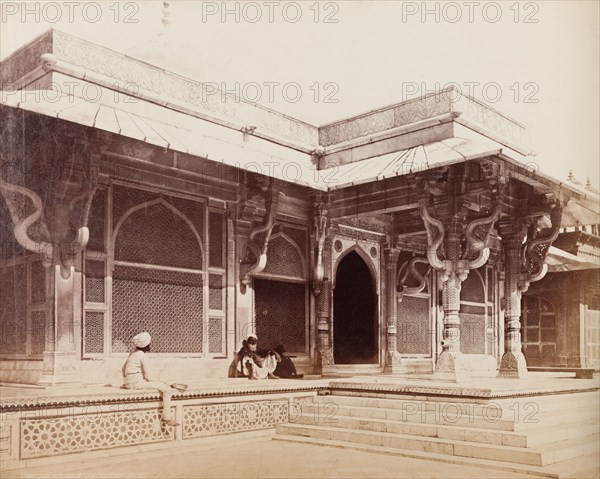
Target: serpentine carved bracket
{"x": 537, "y": 245}
{"x": 478, "y": 230}
{"x": 476, "y": 234}
{"x": 62, "y": 242}
{"x": 255, "y": 257}
{"x": 321, "y": 222}
{"x": 406, "y": 270}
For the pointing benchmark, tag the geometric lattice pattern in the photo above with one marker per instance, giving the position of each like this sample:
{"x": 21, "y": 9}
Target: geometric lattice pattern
{"x": 126, "y": 198}
{"x": 538, "y": 330}
{"x": 94, "y": 281}
{"x": 96, "y": 222}
{"x": 38, "y": 282}
{"x": 38, "y": 332}
{"x": 472, "y": 330}
{"x": 215, "y": 291}
{"x": 92, "y": 431}
{"x": 167, "y": 304}
{"x": 592, "y": 338}
{"x": 209, "y": 419}
{"x": 413, "y": 326}
{"x": 215, "y": 239}
{"x": 13, "y": 313}
{"x": 215, "y": 335}
{"x": 156, "y": 235}
{"x": 193, "y": 210}
{"x": 93, "y": 341}
{"x": 283, "y": 258}
{"x": 298, "y": 236}
{"x": 280, "y": 314}
{"x": 472, "y": 288}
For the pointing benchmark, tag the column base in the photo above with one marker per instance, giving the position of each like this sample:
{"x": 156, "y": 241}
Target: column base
{"x": 60, "y": 369}
{"x": 513, "y": 365}
{"x": 393, "y": 363}
{"x": 325, "y": 363}
{"x": 450, "y": 366}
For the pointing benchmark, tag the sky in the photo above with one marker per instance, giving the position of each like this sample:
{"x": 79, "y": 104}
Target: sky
{"x": 537, "y": 62}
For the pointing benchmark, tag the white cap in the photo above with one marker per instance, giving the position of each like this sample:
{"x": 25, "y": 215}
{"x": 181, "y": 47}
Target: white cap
{"x": 141, "y": 340}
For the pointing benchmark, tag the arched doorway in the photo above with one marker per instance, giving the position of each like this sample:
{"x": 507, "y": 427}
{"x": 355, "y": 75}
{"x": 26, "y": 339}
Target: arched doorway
{"x": 354, "y": 313}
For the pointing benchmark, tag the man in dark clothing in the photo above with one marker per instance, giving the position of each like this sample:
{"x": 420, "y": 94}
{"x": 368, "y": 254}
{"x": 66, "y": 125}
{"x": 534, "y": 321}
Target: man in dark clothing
{"x": 285, "y": 368}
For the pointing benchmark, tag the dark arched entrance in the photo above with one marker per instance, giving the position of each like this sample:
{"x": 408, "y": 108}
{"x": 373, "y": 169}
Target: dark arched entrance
{"x": 354, "y": 313}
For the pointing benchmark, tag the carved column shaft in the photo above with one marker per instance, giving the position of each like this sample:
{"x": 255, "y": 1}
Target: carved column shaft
{"x": 451, "y": 297}
{"x": 513, "y": 362}
{"x": 323, "y": 311}
{"x": 393, "y": 356}
{"x": 512, "y": 255}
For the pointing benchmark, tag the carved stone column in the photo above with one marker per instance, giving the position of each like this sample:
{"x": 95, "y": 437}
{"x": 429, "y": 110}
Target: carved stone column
{"x": 321, "y": 283}
{"x": 513, "y": 362}
{"x": 393, "y": 362}
{"x": 524, "y": 264}
{"x": 450, "y": 362}
{"x": 458, "y": 241}
{"x": 324, "y": 346}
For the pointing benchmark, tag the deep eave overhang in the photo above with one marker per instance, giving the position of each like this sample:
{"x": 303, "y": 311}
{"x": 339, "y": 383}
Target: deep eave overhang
{"x": 167, "y": 111}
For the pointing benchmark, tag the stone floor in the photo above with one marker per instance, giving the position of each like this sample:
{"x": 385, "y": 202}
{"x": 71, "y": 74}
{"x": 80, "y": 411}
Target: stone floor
{"x": 247, "y": 457}
{"x": 257, "y": 458}
{"x": 534, "y": 383}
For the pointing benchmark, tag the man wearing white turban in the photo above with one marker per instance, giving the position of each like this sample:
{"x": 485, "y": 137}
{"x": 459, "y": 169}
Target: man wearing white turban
{"x": 137, "y": 375}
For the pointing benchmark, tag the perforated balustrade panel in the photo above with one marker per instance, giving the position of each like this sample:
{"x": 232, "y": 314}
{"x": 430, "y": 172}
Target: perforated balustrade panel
{"x": 156, "y": 235}
{"x": 208, "y": 419}
{"x": 125, "y": 426}
{"x": 167, "y": 304}
{"x": 413, "y": 326}
{"x": 280, "y": 314}
{"x": 13, "y": 313}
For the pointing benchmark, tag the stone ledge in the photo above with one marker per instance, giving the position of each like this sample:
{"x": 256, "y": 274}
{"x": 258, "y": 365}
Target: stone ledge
{"x": 35, "y": 398}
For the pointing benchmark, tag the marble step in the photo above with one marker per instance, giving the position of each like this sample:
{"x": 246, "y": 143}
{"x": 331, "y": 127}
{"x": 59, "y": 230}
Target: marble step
{"x": 523, "y": 404}
{"x": 480, "y": 435}
{"x": 454, "y": 415}
{"x": 539, "y": 456}
{"x": 578, "y": 468}
{"x": 517, "y": 407}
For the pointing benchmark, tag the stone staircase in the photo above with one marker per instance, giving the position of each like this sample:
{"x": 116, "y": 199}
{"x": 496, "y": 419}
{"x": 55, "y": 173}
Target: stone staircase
{"x": 549, "y": 436}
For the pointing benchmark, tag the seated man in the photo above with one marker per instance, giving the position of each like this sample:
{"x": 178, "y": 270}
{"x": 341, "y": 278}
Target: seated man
{"x": 137, "y": 375}
{"x": 253, "y": 364}
{"x": 285, "y": 368}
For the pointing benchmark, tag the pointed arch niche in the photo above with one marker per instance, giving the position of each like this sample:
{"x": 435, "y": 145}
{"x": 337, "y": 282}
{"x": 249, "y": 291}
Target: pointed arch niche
{"x": 281, "y": 297}
{"x": 158, "y": 279}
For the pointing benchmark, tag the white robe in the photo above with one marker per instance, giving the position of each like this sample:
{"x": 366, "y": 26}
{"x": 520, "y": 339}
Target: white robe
{"x": 259, "y": 372}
